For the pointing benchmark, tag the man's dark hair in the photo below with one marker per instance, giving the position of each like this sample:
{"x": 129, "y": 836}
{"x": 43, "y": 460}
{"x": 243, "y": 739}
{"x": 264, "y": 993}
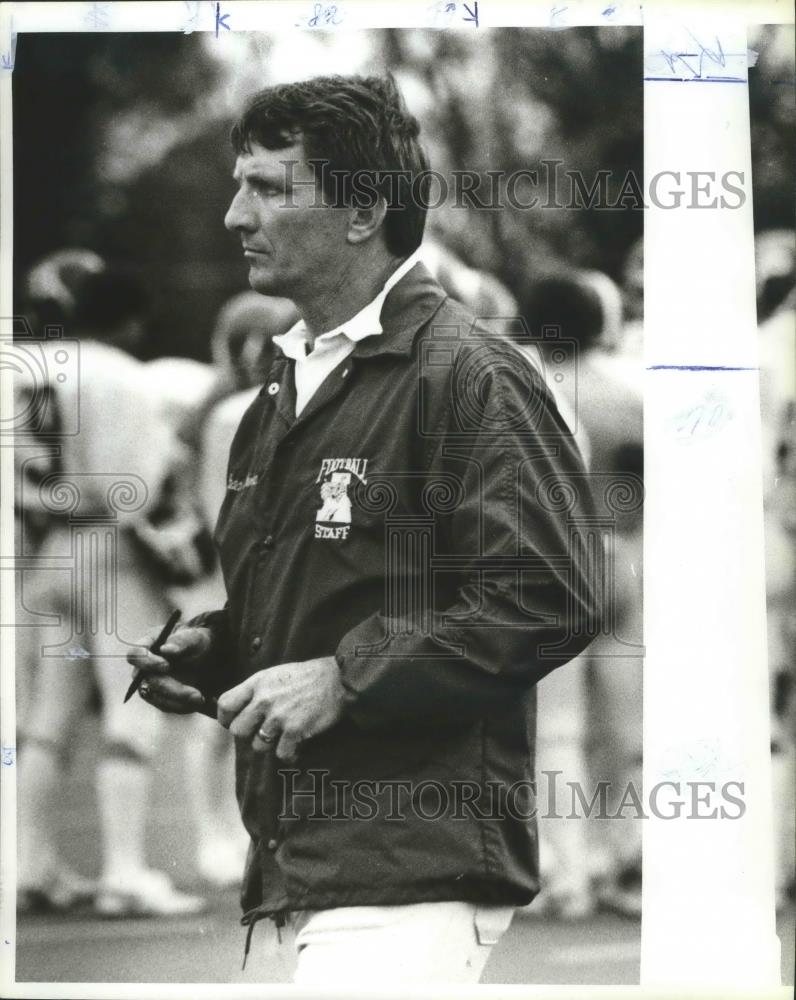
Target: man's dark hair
{"x": 355, "y": 124}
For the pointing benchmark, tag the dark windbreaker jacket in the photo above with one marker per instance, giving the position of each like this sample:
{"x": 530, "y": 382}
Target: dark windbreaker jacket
{"x": 426, "y": 520}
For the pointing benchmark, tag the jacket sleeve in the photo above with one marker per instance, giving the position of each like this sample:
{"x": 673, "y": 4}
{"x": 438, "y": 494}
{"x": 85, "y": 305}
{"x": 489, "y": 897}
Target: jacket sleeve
{"x": 217, "y": 672}
{"x": 516, "y": 546}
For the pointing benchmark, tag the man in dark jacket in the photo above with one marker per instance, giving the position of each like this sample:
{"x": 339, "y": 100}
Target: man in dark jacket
{"x": 408, "y": 546}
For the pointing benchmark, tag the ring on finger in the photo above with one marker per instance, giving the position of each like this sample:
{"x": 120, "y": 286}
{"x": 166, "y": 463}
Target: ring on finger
{"x": 265, "y": 737}
{"x": 144, "y": 690}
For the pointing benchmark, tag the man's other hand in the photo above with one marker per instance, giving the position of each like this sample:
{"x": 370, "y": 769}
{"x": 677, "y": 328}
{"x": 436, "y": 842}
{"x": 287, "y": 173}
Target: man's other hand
{"x": 290, "y": 702}
{"x": 167, "y": 675}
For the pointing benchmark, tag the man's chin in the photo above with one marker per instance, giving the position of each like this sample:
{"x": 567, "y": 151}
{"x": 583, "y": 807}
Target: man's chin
{"x": 265, "y": 284}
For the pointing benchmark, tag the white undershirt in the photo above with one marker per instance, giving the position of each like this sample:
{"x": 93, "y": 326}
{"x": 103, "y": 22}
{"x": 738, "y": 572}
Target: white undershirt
{"x": 332, "y": 347}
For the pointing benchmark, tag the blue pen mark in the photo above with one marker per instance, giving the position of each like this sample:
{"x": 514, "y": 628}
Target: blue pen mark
{"x": 672, "y": 57}
{"x": 321, "y": 14}
{"x": 695, "y": 66}
{"x": 714, "y": 55}
{"x": 557, "y": 16}
{"x": 9, "y": 57}
{"x": 441, "y": 13}
{"x": 696, "y": 79}
{"x": 191, "y": 22}
{"x": 473, "y": 13}
{"x": 609, "y": 11}
{"x": 9, "y": 756}
{"x": 698, "y": 368}
{"x": 221, "y": 19}
{"x": 702, "y": 419}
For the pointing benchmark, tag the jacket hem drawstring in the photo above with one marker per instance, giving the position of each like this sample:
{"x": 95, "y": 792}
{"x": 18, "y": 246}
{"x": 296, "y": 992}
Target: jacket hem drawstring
{"x": 250, "y": 920}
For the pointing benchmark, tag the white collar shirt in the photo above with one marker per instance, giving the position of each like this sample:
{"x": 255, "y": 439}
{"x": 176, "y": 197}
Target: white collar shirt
{"x": 335, "y": 345}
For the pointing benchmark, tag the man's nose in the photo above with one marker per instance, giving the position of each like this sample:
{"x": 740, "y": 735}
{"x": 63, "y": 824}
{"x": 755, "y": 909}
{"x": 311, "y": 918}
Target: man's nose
{"x": 239, "y": 215}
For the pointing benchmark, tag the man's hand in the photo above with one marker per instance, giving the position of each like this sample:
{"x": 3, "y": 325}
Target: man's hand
{"x": 167, "y": 675}
{"x": 290, "y": 702}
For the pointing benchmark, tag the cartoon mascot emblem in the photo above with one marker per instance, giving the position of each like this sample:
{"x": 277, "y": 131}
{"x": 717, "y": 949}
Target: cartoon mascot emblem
{"x": 336, "y": 505}
{"x": 333, "y": 517}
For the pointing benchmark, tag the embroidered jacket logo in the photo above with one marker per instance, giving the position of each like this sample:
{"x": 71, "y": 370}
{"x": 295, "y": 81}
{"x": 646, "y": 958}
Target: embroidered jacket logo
{"x": 333, "y": 518}
{"x": 236, "y": 485}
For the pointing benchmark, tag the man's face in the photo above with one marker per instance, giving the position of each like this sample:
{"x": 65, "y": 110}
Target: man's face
{"x": 292, "y": 241}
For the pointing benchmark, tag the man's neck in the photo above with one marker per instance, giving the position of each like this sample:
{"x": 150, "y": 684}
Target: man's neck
{"x": 349, "y": 293}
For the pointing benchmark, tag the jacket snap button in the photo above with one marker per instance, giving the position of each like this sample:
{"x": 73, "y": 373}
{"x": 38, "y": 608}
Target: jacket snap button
{"x": 273, "y": 388}
{"x": 267, "y": 542}
{"x": 256, "y": 643}
{"x": 272, "y": 845}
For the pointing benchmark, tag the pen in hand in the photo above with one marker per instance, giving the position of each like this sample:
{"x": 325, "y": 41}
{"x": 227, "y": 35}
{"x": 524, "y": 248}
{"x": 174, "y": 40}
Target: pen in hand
{"x": 165, "y": 632}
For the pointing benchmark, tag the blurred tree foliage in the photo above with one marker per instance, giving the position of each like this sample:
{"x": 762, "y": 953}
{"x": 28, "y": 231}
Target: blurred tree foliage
{"x": 114, "y": 150}
{"x": 772, "y": 109}
{"x": 121, "y": 146}
{"x": 510, "y": 99}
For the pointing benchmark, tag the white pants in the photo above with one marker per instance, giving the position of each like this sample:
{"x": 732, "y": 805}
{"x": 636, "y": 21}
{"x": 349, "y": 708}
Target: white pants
{"x": 394, "y": 945}
{"x": 135, "y": 604}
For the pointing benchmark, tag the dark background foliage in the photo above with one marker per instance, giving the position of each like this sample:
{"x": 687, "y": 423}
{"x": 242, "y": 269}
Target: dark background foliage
{"x": 120, "y": 145}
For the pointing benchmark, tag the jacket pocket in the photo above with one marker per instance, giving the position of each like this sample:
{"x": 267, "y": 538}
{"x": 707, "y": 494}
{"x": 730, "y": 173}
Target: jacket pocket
{"x": 259, "y": 794}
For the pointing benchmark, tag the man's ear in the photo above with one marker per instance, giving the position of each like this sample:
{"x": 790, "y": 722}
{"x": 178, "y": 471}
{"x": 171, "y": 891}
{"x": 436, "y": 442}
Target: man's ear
{"x": 365, "y": 221}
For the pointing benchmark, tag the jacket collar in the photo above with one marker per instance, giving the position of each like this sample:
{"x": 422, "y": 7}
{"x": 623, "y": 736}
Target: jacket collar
{"x": 366, "y": 323}
{"x": 409, "y": 305}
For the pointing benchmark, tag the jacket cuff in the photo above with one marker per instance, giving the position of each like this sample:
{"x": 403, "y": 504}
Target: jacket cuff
{"x": 217, "y": 673}
{"x": 355, "y": 679}
{"x": 217, "y": 622}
